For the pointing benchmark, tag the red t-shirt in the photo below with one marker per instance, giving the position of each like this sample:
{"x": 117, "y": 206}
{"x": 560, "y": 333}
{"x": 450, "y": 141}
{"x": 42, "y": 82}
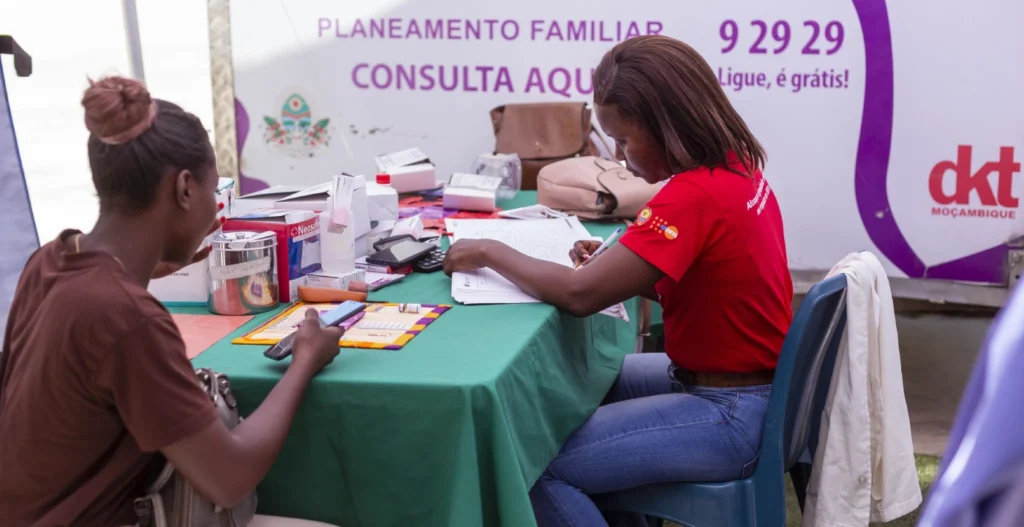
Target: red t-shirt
{"x": 727, "y": 292}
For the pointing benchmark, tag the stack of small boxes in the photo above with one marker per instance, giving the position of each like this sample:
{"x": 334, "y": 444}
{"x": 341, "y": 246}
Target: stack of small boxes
{"x": 295, "y": 214}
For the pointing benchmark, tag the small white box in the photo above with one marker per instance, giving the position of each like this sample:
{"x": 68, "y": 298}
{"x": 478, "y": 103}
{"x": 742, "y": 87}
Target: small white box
{"x": 338, "y": 281}
{"x": 470, "y": 199}
{"x": 187, "y": 287}
{"x": 262, "y": 199}
{"x": 413, "y": 178}
{"x": 383, "y": 202}
{"x": 411, "y": 226}
{"x": 410, "y": 170}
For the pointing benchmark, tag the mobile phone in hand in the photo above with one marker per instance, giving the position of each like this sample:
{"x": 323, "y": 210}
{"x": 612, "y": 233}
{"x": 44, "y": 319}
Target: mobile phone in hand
{"x": 334, "y": 317}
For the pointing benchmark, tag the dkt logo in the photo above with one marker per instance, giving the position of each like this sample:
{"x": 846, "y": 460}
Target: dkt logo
{"x": 978, "y": 182}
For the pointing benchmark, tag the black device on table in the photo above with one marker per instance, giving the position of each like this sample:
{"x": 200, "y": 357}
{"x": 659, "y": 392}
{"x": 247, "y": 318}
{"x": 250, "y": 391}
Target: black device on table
{"x": 432, "y": 261}
{"x": 334, "y": 317}
{"x": 396, "y": 251}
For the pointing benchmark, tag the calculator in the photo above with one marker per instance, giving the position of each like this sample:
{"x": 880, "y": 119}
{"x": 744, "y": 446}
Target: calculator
{"x": 430, "y": 262}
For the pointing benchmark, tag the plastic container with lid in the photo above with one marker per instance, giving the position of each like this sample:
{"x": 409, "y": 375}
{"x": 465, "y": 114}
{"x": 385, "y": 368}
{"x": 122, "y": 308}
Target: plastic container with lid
{"x": 243, "y": 273}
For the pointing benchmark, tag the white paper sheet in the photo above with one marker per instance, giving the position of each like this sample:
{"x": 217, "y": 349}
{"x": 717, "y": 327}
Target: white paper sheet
{"x": 545, "y": 239}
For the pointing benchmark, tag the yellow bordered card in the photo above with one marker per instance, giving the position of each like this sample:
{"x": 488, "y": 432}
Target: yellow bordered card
{"x": 380, "y": 326}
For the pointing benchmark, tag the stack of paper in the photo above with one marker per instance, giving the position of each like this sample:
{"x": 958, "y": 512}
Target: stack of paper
{"x": 548, "y": 239}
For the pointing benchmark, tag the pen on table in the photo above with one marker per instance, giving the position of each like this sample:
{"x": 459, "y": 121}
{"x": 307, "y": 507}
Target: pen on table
{"x": 604, "y": 246}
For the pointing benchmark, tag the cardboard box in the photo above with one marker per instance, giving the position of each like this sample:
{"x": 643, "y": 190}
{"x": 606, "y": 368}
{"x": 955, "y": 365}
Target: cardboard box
{"x": 338, "y": 281}
{"x": 298, "y": 243}
{"x": 190, "y": 285}
{"x": 318, "y": 199}
{"x": 262, "y": 199}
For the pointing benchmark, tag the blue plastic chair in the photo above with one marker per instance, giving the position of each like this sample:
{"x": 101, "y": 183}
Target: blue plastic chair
{"x": 788, "y": 439}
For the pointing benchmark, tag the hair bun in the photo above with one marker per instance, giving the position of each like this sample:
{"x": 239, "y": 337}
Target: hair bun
{"x": 117, "y": 109}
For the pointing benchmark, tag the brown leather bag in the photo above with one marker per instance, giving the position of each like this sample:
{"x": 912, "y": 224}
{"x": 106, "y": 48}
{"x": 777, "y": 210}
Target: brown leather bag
{"x": 542, "y": 133}
{"x": 593, "y": 188}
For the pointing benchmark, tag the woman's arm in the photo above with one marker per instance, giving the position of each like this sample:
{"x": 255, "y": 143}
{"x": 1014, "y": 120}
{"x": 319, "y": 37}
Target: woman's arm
{"x": 616, "y": 275}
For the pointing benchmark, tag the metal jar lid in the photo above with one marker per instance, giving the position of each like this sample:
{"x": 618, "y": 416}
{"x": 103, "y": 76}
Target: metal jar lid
{"x": 243, "y": 240}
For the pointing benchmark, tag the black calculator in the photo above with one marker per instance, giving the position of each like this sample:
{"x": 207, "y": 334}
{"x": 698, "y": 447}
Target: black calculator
{"x": 430, "y": 262}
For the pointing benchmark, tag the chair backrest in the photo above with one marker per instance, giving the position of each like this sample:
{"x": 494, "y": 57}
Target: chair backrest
{"x": 803, "y": 375}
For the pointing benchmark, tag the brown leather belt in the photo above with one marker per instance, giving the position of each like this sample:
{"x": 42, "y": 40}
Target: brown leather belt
{"x": 723, "y": 380}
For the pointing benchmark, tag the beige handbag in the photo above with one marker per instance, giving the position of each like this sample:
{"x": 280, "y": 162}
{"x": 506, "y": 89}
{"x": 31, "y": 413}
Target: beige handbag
{"x": 171, "y": 501}
{"x": 543, "y": 133}
{"x": 593, "y": 189}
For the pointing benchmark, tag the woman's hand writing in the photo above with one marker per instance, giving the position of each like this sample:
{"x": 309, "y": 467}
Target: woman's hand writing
{"x": 582, "y": 250}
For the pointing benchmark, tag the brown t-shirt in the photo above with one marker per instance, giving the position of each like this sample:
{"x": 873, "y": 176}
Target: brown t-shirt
{"x": 95, "y": 381}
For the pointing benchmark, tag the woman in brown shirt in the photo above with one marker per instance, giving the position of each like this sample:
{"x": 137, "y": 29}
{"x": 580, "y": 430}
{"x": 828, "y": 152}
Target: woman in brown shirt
{"x": 94, "y": 380}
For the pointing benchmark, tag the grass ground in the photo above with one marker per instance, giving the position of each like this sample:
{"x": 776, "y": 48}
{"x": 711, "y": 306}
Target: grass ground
{"x": 927, "y": 466}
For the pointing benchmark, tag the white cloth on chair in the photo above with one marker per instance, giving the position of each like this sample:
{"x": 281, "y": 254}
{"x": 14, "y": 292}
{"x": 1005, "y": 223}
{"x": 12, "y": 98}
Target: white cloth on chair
{"x": 864, "y": 468}
{"x": 274, "y": 521}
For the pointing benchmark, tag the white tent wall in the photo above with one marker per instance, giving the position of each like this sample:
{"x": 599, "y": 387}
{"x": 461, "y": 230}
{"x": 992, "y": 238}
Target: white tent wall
{"x": 87, "y": 40}
{"x": 18, "y": 235}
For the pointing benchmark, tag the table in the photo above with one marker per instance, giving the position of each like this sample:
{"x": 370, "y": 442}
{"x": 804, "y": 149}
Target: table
{"x": 451, "y": 430}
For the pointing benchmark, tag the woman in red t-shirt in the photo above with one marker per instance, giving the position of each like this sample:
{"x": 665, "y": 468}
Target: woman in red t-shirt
{"x": 709, "y": 248}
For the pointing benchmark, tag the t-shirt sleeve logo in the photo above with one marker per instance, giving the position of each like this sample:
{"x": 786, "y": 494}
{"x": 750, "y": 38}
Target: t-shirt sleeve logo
{"x": 655, "y": 223}
{"x": 644, "y": 216}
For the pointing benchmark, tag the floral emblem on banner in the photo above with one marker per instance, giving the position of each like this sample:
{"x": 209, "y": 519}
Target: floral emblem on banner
{"x": 295, "y": 130}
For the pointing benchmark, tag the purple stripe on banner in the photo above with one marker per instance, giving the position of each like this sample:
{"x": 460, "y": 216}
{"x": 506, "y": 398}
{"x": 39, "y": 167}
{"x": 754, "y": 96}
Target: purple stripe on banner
{"x": 988, "y": 266}
{"x": 876, "y": 140}
{"x": 872, "y": 166}
{"x": 392, "y": 347}
{"x": 413, "y": 332}
{"x": 248, "y": 184}
{"x": 425, "y": 321}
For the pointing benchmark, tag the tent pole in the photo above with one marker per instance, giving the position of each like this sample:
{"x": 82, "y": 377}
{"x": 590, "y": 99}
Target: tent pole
{"x": 131, "y": 29}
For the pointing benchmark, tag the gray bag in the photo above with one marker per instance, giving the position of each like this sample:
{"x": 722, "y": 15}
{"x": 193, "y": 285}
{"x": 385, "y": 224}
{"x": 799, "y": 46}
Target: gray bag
{"x": 171, "y": 501}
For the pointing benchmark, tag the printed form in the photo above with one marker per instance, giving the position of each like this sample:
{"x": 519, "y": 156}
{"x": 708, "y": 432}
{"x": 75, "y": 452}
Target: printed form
{"x": 548, "y": 239}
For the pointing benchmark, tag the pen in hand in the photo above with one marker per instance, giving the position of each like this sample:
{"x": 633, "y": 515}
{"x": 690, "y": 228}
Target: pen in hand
{"x": 604, "y": 246}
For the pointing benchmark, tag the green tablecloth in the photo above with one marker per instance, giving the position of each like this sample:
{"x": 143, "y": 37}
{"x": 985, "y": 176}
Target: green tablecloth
{"x": 452, "y": 430}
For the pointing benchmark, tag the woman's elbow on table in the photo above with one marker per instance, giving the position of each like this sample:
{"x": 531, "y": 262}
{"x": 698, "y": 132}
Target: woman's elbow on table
{"x": 581, "y": 301}
{"x": 586, "y": 296}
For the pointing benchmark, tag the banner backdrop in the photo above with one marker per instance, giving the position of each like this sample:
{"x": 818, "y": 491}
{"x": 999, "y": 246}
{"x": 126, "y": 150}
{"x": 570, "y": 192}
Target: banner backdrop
{"x": 889, "y": 127}
{"x": 18, "y": 235}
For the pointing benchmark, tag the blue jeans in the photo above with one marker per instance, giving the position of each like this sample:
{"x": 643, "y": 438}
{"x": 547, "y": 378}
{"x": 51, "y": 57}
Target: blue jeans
{"x": 650, "y": 429}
